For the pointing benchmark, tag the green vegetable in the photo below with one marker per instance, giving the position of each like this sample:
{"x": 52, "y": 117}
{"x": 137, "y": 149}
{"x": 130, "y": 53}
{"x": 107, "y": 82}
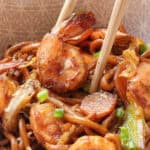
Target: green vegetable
{"x": 143, "y": 48}
{"x": 120, "y": 112}
{"x": 131, "y": 145}
{"x": 124, "y": 134}
{"x": 58, "y": 113}
{"x": 96, "y": 54}
{"x": 132, "y": 131}
{"x": 42, "y": 95}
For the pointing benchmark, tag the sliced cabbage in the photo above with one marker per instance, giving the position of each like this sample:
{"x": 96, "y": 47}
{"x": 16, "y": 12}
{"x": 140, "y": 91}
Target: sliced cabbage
{"x": 21, "y": 97}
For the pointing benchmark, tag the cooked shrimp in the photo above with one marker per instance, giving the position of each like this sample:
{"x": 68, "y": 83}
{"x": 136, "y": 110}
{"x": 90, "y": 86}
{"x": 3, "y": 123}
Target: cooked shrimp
{"x": 45, "y": 127}
{"x": 61, "y": 66}
{"x": 139, "y": 86}
{"x": 77, "y": 25}
{"x": 93, "y": 143}
{"x": 115, "y": 139}
{"x": 89, "y": 60}
{"x": 80, "y": 38}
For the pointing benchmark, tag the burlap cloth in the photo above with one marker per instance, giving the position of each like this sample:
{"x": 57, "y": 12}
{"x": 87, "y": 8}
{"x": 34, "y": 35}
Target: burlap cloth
{"x": 22, "y": 20}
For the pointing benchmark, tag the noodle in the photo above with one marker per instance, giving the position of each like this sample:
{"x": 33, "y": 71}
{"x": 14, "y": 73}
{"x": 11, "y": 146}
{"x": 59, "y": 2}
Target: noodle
{"x": 107, "y": 122}
{"x": 74, "y": 118}
{"x": 15, "y": 48}
{"x": 88, "y": 131}
{"x": 4, "y": 142}
{"x": 13, "y": 141}
{"x": 23, "y": 133}
{"x": 107, "y": 81}
{"x": 86, "y": 122}
{"x": 95, "y": 45}
{"x": 44, "y": 91}
{"x": 33, "y": 47}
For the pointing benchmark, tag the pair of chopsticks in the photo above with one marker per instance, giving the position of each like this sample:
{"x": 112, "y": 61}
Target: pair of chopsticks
{"x": 115, "y": 20}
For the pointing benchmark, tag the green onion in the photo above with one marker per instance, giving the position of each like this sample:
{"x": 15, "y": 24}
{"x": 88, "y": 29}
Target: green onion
{"x": 133, "y": 128}
{"x": 58, "y": 113}
{"x": 131, "y": 145}
{"x": 96, "y": 54}
{"x": 143, "y": 47}
{"x": 120, "y": 112}
{"x": 124, "y": 135}
{"x": 42, "y": 95}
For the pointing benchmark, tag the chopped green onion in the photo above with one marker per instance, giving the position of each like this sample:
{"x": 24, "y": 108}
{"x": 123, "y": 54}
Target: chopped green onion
{"x": 124, "y": 135}
{"x": 58, "y": 113}
{"x": 96, "y": 54}
{"x": 142, "y": 48}
{"x": 133, "y": 128}
{"x": 42, "y": 95}
{"x": 120, "y": 112}
{"x": 131, "y": 145}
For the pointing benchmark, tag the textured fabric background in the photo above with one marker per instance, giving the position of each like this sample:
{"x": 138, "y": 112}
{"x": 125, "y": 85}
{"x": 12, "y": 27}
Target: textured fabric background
{"x": 30, "y": 19}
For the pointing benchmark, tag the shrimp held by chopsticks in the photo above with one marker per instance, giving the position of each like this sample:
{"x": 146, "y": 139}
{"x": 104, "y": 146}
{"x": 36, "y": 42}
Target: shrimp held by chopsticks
{"x": 61, "y": 67}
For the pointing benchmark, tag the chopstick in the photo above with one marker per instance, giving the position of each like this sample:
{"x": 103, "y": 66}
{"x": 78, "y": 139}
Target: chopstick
{"x": 66, "y": 11}
{"x": 115, "y": 20}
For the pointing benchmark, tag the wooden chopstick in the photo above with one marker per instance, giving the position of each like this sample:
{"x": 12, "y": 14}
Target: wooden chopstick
{"x": 113, "y": 26}
{"x": 66, "y": 11}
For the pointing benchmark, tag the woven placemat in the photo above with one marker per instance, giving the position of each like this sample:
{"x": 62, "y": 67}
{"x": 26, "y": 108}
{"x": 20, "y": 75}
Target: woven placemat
{"x": 22, "y": 20}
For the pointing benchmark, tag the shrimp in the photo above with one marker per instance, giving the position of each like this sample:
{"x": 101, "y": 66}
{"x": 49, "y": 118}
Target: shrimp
{"x": 60, "y": 65}
{"x": 139, "y": 87}
{"x": 93, "y": 143}
{"x": 140, "y": 84}
{"x": 76, "y": 25}
{"x": 45, "y": 127}
{"x": 48, "y": 129}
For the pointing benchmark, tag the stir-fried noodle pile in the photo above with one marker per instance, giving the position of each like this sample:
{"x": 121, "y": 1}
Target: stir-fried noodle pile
{"x": 44, "y": 91}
